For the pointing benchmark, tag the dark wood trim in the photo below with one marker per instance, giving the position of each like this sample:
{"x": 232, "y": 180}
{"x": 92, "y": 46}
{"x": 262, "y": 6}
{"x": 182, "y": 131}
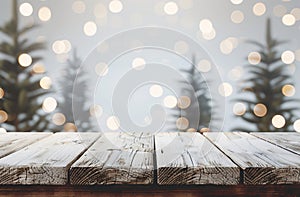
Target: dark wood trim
{"x": 151, "y": 190}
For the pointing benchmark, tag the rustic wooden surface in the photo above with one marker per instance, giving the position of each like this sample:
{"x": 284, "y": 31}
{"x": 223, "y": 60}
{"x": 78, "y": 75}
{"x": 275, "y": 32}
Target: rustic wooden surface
{"x": 189, "y": 158}
{"x": 116, "y": 158}
{"x": 46, "y": 161}
{"x": 287, "y": 140}
{"x": 11, "y": 142}
{"x": 261, "y": 161}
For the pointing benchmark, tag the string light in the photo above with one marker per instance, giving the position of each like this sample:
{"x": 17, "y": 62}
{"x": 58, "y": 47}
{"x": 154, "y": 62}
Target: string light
{"x": 2, "y": 130}
{"x": 156, "y": 90}
{"x": 278, "y": 121}
{"x": 90, "y": 28}
{"x": 58, "y": 119}
{"x": 38, "y": 68}
{"x": 170, "y": 101}
{"x": 225, "y": 89}
{"x": 49, "y": 104}
{"x": 96, "y": 110}
{"x": 26, "y": 9}
{"x": 259, "y": 9}
{"x": 204, "y": 65}
{"x": 237, "y": 16}
{"x": 113, "y": 123}
{"x": 288, "y": 90}
{"x": 288, "y": 20}
{"x": 182, "y": 123}
{"x": 260, "y": 110}
{"x": 236, "y": 2}
{"x": 44, "y": 14}
{"x": 184, "y": 102}
{"x": 297, "y": 125}
{"x": 138, "y": 63}
{"x": 1, "y": 93}
{"x": 288, "y": 57}
{"x": 171, "y": 8}
{"x": 254, "y": 58}
{"x": 25, "y": 60}
{"x": 3, "y": 116}
{"x": 70, "y": 127}
{"x": 239, "y": 109}
{"x": 101, "y": 69}
{"x": 46, "y": 83}
{"x": 115, "y": 6}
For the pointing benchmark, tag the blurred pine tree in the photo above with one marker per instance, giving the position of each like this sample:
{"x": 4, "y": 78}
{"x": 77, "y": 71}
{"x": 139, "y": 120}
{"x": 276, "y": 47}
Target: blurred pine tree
{"x": 21, "y": 106}
{"x": 265, "y": 85}
{"x": 199, "y": 99}
{"x": 65, "y": 106}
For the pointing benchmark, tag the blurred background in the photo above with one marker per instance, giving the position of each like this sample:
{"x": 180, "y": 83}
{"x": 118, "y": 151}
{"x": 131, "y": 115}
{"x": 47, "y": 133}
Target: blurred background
{"x": 240, "y": 76}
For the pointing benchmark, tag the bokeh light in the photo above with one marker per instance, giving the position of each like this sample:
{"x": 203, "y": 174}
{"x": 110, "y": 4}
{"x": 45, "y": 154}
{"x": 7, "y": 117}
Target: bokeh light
{"x": 78, "y": 7}
{"x": 191, "y": 130}
{"x": 49, "y": 104}
{"x": 61, "y": 46}
{"x": 46, "y": 83}
{"x": 38, "y": 68}
{"x": 181, "y": 47}
{"x": 90, "y": 28}
{"x": 115, "y": 6}
{"x": 288, "y": 90}
{"x": 288, "y": 57}
{"x": 101, "y": 69}
{"x": 296, "y": 13}
{"x": 226, "y": 46}
{"x": 239, "y": 109}
{"x": 96, "y": 110}
{"x": 288, "y": 20}
{"x": 236, "y": 2}
{"x": 237, "y": 16}
{"x": 236, "y": 73}
{"x": 184, "y": 102}
{"x": 254, "y": 58}
{"x": 58, "y": 119}
{"x": 225, "y": 89}
{"x": 210, "y": 35}
{"x": 170, "y": 101}
{"x": 70, "y": 127}
{"x": 171, "y": 8}
{"x": 204, "y": 65}
{"x": 260, "y": 110}
{"x": 296, "y": 125}
{"x": 1, "y": 93}
{"x": 156, "y": 90}
{"x": 113, "y": 123}
{"x": 100, "y": 11}
{"x": 278, "y": 121}
{"x": 25, "y": 60}
{"x": 204, "y": 129}
{"x": 138, "y": 63}
{"x": 44, "y": 14}
{"x": 259, "y": 9}
{"x": 279, "y": 10}
{"x": 182, "y": 123}
{"x": 206, "y": 26}
{"x": 3, "y": 116}
{"x": 26, "y": 9}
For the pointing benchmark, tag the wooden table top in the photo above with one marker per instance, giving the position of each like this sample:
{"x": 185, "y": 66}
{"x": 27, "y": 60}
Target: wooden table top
{"x": 165, "y": 159}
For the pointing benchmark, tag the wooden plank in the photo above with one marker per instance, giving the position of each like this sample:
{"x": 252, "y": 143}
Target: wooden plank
{"x": 286, "y": 140}
{"x": 46, "y": 161}
{"x": 12, "y": 141}
{"x": 116, "y": 158}
{"x": 261, "y": 161}
{"x": 189, "y": 158}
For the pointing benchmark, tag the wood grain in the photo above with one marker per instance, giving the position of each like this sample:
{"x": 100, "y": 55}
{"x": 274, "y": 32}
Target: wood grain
{"x": 189, "y": 158}
{"x": 116, "y": 158}
{"x": 286, "y": 140}
{"x": 46, "y": 161}
{"x": 261, "y": 161}
{"x": 12, "y": 141}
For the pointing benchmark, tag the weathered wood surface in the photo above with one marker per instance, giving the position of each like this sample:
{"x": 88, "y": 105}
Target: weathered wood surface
{"x": 116, "y": 158}
{"x": 261, "y": 161}
{"x": 46, "y": 161}
{"x": 286, "y": 140}
{"x": 189, "y": 158}
{"x": 13, "y": 141}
